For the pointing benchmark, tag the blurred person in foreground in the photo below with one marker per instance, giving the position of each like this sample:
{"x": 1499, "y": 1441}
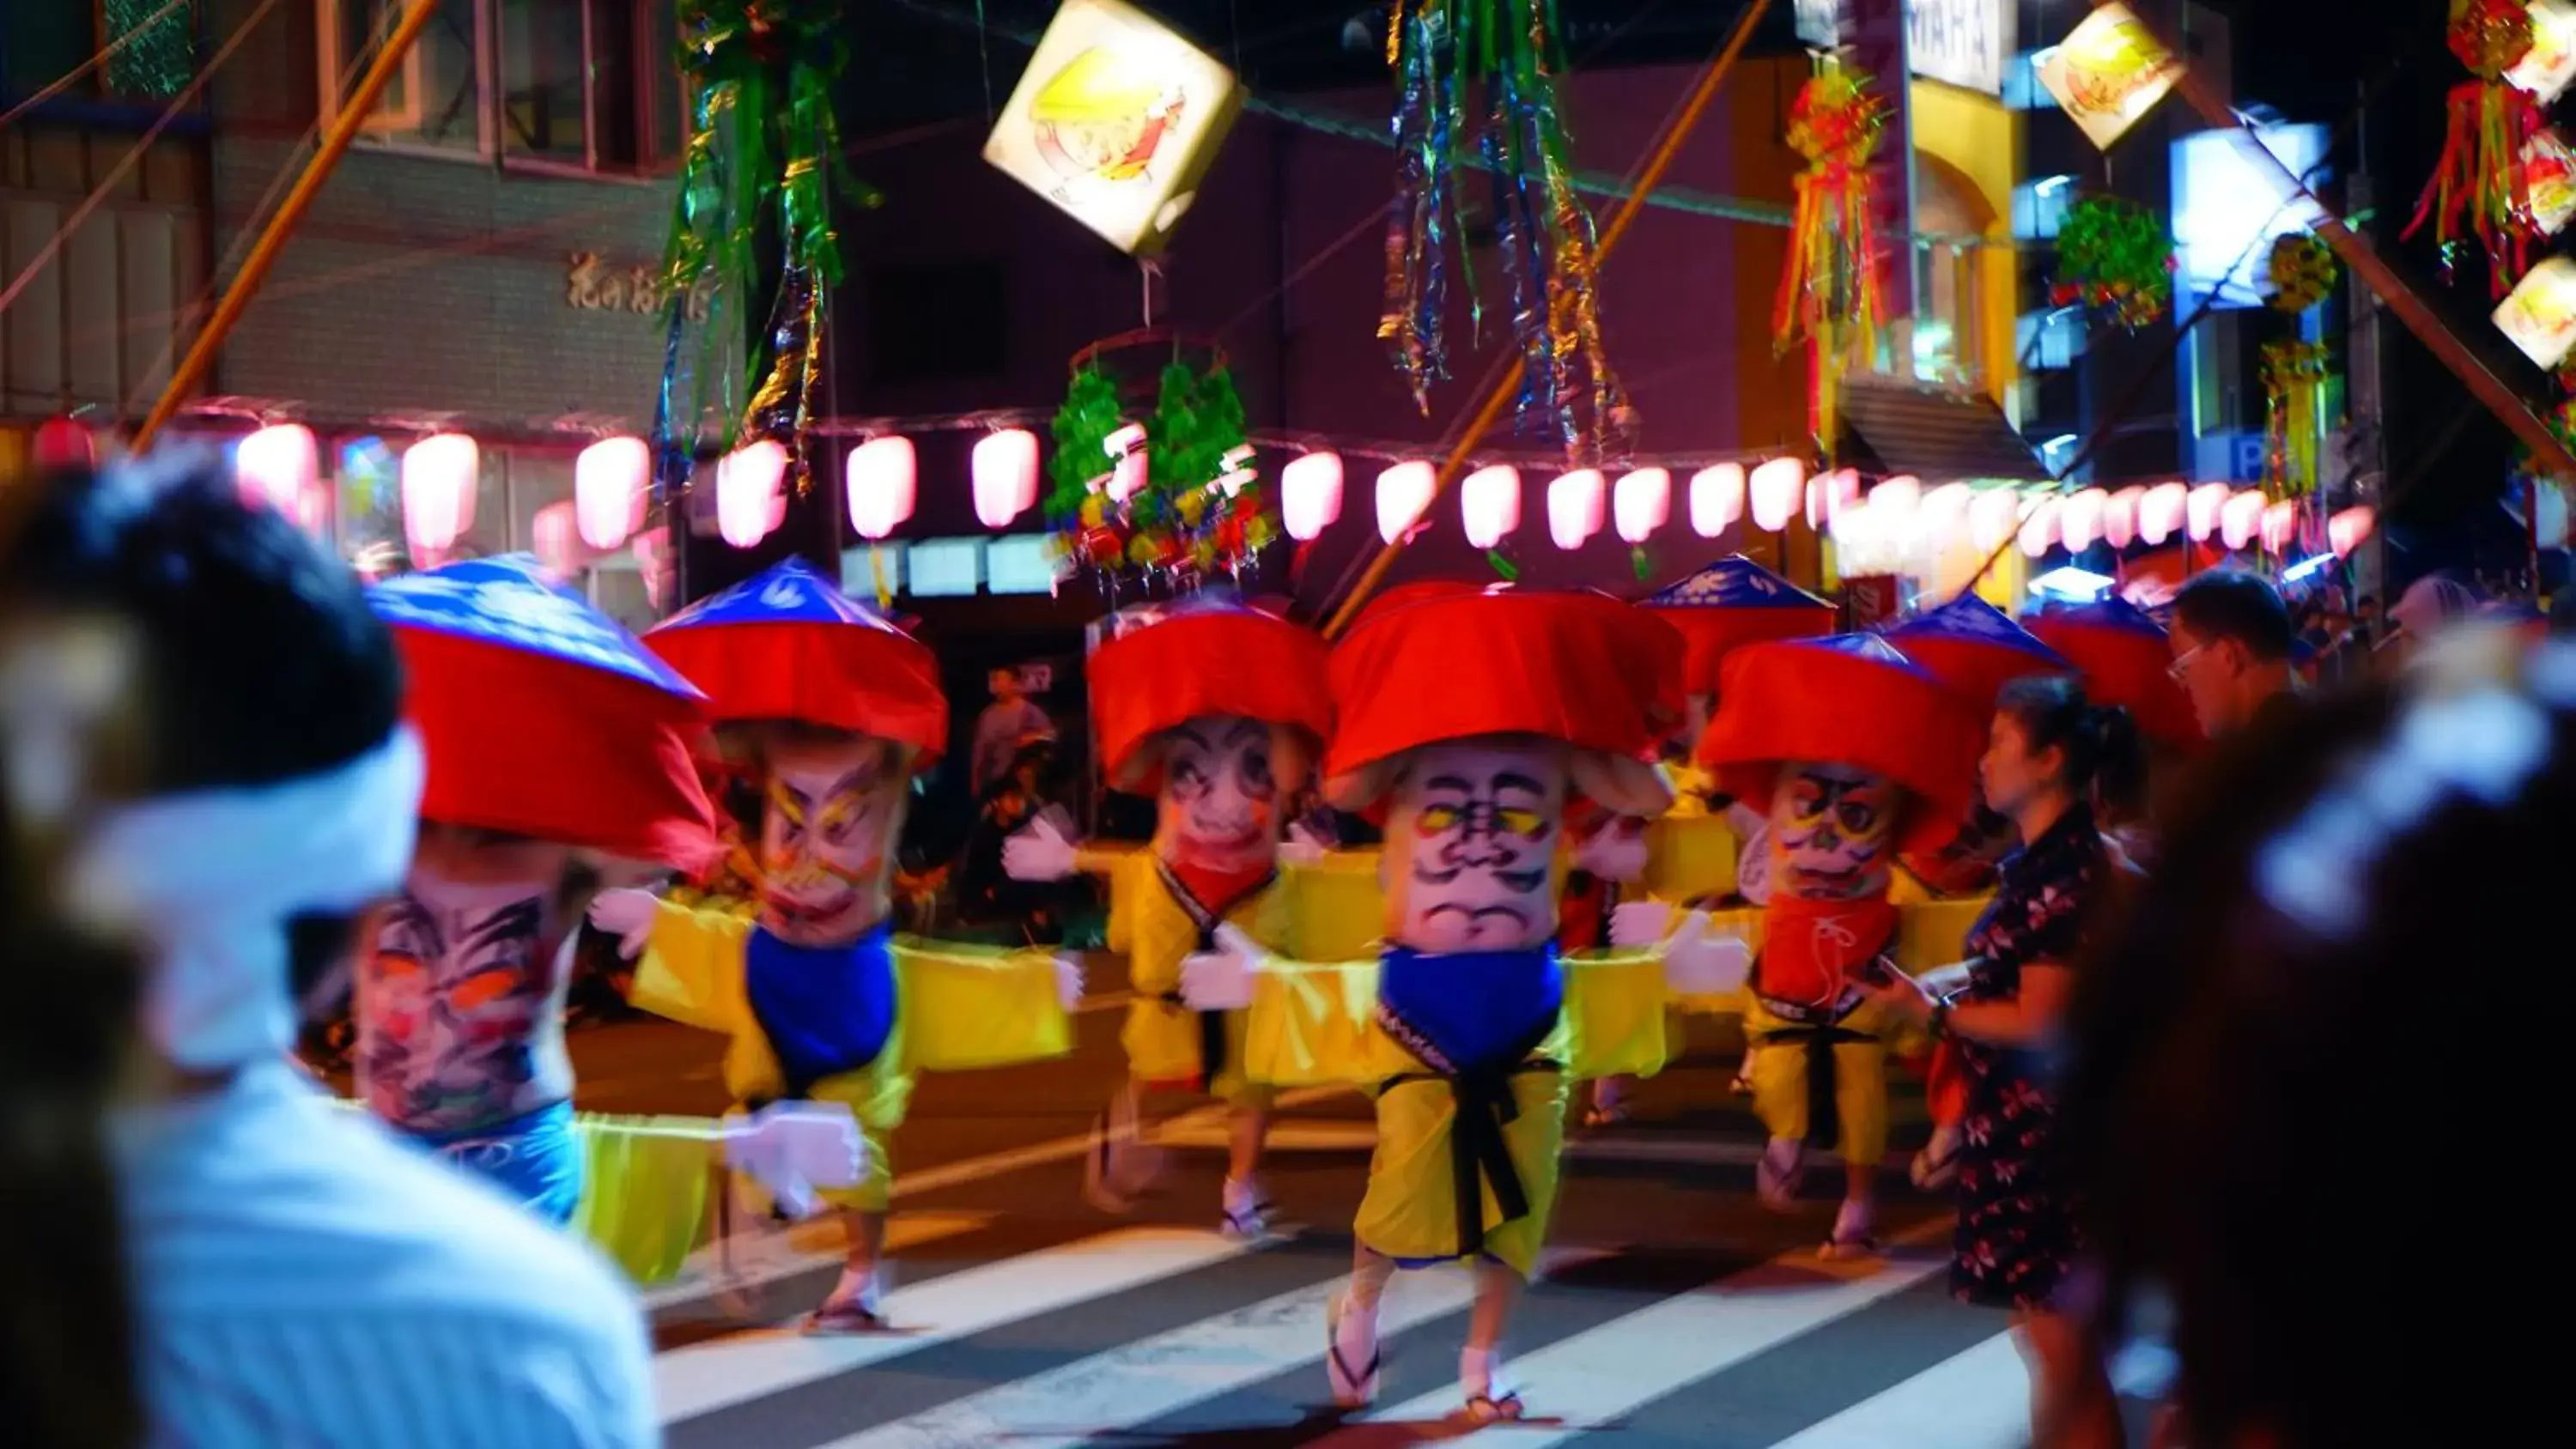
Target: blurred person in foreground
{"x": 2017, "y": 1245}
{"x": 2301, "y": 899}
{"x": 2233, "y": 651}
{"x": 299, "y": 1276}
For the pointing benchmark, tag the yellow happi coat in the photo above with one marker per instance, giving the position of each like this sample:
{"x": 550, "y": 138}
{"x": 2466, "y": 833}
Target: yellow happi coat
{"x": 956, "y": 1007}
{"x": 1155, "y": 928}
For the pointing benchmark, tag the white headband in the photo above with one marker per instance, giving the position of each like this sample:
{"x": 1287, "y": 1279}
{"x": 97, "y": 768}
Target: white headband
{"x": 210, "y": 878}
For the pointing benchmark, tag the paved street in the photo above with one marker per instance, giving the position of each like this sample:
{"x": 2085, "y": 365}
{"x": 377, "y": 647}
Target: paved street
{"x": 1675, "y": 1310}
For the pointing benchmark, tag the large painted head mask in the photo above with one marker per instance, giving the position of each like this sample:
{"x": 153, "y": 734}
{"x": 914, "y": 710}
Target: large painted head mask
{"x": 1471, "y": 843}
{"x": 1225, "y": 783}
{"x": 1833, "y": 830}
{"x": 832, "y": 813}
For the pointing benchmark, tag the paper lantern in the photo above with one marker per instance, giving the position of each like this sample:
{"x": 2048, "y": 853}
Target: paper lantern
{"x": 1716, "y": 499}
{"x": 1403, "y": 492}
{"x": 750, "y": 496}
{"x": 881, "y": 476}
{"x": 1992, "y": 516}
{"x": 1005, "y": 469}
{"x": 1942, "y": 516}
{"x": 2120, "y": 517}
{"x": 1489, "y": 504}
{"x": 558, "y": 538}
{"x": 1575, "y": 504}
{"x": 2079, "y": 518}
{"x": 2240, "y": 519}
{"x": 1126, "y": 450}
{"x": 1310, "y": 494}
{"x": 609, "y": 480}
{"x": 277, "y": 466}
{"x": 1774, "y": 489}
{"x": 2161, "y": 511}
{"x": 2280, "y": 526}
{"x": 2039, "y": 530}
{"x": 1642, "y": 502}
{"x": 2201, "y": 509}
{"x": 2348, "y": 530}
{"x": 1842, "y": 490}
{"x": 1896, "y": 503}
{"x": 439, "y": 476}
{"x": 64, "y": 443}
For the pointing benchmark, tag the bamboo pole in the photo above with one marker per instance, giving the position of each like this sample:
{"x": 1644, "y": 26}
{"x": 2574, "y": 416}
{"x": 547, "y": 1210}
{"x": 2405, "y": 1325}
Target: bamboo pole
{"x": 272, "y": 240}
{"x": 1659, "y": 161}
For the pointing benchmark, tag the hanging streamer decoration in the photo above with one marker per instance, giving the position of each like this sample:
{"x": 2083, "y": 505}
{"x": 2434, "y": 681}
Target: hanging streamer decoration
{"x": 1198, "y": 512}
{"x": 2303, "y": 270}
{"x": 764, "y": 151}
{"x": 2294, "y": 376}
{"x": 2115, "y": 254}
{"x": 2481, "y": 186}
{"x": 1443, "y": 52}
{"x": 1829, "y": 293}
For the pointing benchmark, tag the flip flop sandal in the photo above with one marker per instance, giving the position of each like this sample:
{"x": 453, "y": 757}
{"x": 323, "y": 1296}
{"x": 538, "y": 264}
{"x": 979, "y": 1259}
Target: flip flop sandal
{"x": 1932, "y": 1173}
{"x": 1100, "y": 1174}
{"x": 845, "y": 1320}
{"x": 1351, "y": 1390}
{"x": 1250, "y": 1224}
{"x": 1486, "y": 1409}
{"x": 1597, "y": 1118}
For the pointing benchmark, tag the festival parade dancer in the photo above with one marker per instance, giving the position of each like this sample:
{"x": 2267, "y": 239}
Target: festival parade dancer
{"x": 557, "y": 745}
{"x": 1219, "y": 710}
{"x": 1472, "y": 718}
{"x": 1860, "y": 754}
{"x": 835, "y": 708}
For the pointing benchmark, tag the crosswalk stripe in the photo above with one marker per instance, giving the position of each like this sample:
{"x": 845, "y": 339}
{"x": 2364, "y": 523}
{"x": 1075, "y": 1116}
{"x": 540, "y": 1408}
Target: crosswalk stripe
{"x": 1068, "y": 1406}
{"x": 1594, "y": 1377}
{"x": 1979, "y": 1399}
{"x": 762, "y": 1258}
{"x": 706, "y": 1377}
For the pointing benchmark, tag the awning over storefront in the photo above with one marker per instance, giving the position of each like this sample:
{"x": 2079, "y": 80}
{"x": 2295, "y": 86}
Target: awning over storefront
{"x": 1895, "y": 427}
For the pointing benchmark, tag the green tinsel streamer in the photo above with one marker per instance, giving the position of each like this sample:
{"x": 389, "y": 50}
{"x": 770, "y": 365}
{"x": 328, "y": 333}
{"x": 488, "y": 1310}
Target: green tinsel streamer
{"x": 1082, "y": 427}
{"x": 159, "y": 55}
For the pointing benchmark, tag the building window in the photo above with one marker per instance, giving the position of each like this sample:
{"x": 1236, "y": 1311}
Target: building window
{"x": 1019, "y": 563}
{"x": 41, "y": 43}
{"x": 2051, "y": 339}
{"x": 944, "y": 567}
{"x": 590, "y": 84}
{"x": 2039, "y": 207}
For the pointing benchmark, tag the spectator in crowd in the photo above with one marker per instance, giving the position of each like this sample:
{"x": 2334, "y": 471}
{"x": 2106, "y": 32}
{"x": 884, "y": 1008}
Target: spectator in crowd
{"x": 1033, "y": 908}
{"x": 299, "y": 1277}
{"x": 2232, "y": 647}
{"x": 1010, "y": 721}
{"x": 2429, "y": 605}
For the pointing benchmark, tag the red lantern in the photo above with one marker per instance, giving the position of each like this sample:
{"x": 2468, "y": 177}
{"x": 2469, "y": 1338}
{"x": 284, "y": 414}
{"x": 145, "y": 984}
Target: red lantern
{"x": 63, "y": 443}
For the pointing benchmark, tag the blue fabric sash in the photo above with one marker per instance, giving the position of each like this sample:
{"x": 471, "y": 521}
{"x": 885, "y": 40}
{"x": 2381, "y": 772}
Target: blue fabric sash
{"x": 826, "y": 1009}
{"x": 1472, "y": 1007}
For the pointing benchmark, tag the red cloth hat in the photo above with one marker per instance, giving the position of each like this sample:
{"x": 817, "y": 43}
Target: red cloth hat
{"x": 1207, "y": 656}
{"x": 1731, "y": 603}
{"x": 1454, "y": 663}
{"x": 2125, "y": 660}
{"x": 789, "y": 645}
{"x": 1851, "y": 699}
{"x": 1973, "y": 647}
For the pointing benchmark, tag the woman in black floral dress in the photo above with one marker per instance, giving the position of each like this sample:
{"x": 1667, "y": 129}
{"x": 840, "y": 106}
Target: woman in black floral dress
{"x": 2016, "y": 1242}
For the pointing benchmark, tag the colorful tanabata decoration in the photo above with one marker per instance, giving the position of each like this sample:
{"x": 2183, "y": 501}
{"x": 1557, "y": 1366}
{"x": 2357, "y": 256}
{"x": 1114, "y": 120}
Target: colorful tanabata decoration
{"x": 2114, "y": 254}
{"x": 2302, "y": 269}
{"x": 543, "y": 718}
{"x": 2110, "y": 71}
{"x": 2480, "y": 187}
{"x": 2539, "y": 318}
{"x": 1830, "y": 290}
{"x": 2294, "y": 376}
{"x": 1169, "y": 501}
{"x": 1447, "y": 55}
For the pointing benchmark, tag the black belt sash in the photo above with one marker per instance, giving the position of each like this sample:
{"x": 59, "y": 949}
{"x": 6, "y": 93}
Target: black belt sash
{"x": 1479, "y": 1155}
{"x": 1212, "y": 1052}
{"x": 1819, "y": 1031}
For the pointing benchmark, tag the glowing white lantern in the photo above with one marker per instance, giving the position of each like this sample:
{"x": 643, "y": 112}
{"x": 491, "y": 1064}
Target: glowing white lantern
{"x": 2280, "y": 526}
{"x": 750, "y": 496}
{"x": 1992, "y": 516}
{"x": 1575, "y": 504}
{"x": 2201, "y": 510}
{"x": 1642, "y": 502}
{"x": 1126, "y": 450}
{"x": 1716, "y": 499}
{"x": 881, "y": 476}
{"x": 439, "y": 476}
{"x": 2079, "y": 522}
{"x": 2240, "y": 519}
{"x": 1403, "y": 492}
{"x": 1942, "y": 516}
{"x": 1842, "y": 490}
{"x": 1310, "y": 494}
{"x": 1005, "y": 469}
{"x": 2039, "y": 530}
{"x": 558, "y": 538}
{"x": 278, "y": 465}
{"x": 1489, "y": 504}
{"x": 608, "y": 483}
{"x": 2161, "y": 512}
{"x": 1774, "y": 489}
{"x": 1896, "y": 503}
{"x": 2120, "y": 517}
{"x": 2348, "y": 530}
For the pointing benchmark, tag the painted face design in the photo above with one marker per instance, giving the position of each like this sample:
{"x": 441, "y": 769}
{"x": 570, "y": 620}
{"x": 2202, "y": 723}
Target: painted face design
{"x": 458, "y": 1007}
{"x": 1832, "y": 826}
{"x": 827, "y": 836}
{"x": 1219, "y": 809}
{"x": 1471, "y": 847}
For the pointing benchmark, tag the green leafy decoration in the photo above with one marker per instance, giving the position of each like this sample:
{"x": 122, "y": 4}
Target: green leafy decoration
{"x": 2114, "y": 253}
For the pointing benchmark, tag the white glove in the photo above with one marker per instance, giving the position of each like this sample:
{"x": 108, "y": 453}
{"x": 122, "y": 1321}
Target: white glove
{"x": 1301, "y": 847}
{"x": 1640, "y": 923}
{"x": 627, "y": 915}
{"x": 1616, "y": 851}
{"x": 1038, "y": 852}
{"x": 1068, "y": 982}
{"x": 1700, "y": 962}
{"x": 1221, "y": 980}
{"x": 792, "y": 1148}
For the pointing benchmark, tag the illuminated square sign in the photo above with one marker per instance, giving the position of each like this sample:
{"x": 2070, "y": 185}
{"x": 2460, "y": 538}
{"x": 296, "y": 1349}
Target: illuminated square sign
{"x": 1115, "y": 121}
{"x": 2550, "y": 64}
{"x": 2110, "y": 72}
{"x": 2540, "y": 316}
